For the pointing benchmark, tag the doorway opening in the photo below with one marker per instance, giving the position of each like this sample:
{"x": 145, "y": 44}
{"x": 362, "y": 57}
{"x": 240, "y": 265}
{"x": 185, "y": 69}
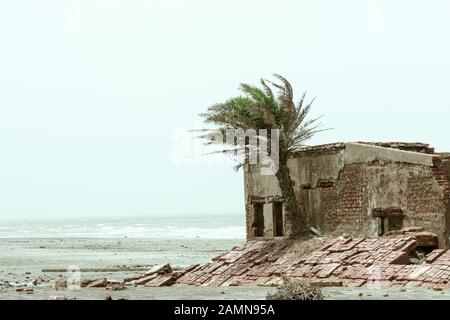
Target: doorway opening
{"x": 258, "y": 219}
{"x": 278, "y": 219}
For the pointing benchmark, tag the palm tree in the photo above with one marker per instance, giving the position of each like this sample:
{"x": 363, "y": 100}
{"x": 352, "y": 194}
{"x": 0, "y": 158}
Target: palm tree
{"x": 259, "y": 108}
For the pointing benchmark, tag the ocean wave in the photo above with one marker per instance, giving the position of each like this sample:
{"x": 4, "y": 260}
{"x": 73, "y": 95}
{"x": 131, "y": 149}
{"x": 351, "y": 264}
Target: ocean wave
{"x": 165, "y": 228}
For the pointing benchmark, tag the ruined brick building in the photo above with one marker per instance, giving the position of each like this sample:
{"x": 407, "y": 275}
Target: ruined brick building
{"x": 357, "y": 188}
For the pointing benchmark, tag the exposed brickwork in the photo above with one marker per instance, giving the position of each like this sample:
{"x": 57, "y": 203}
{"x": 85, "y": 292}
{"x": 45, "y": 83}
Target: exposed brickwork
{"x": 425, "y": 205}
{"x": 358, "y": 262}
{"x": 340, "y": 191}
{"x": 249, "y": 217}
{"x": 351, "y": 208}
{"x": 442, "y": 179}
{"x": 347, "y": 206}
{"x": 329, "y": 199}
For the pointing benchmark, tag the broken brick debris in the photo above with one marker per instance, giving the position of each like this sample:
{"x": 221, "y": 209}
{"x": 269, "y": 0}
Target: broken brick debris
{"x": 341, "y": 262}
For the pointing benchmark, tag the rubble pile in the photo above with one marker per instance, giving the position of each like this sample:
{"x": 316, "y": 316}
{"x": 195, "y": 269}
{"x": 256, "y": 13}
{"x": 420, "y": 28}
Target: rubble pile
{"x": 402, "y": 258}
{"x": 383, "y": 261}
{"x": 159, "y": 276}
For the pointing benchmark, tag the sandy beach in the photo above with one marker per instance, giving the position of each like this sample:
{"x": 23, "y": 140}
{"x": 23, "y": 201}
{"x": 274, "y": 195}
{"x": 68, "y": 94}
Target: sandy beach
{"x": 21, "y": 256}
{"x": 22, "y": 261}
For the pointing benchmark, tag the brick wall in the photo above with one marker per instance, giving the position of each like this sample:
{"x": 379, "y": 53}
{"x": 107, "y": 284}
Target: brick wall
{"x": 338, "y": 190}
{"x": 419, "y": 191}
{"x": 352, "y": 202}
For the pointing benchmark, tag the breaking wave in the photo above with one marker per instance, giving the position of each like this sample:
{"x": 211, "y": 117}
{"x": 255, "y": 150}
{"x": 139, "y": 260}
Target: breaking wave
{"x": 168, "y": 227}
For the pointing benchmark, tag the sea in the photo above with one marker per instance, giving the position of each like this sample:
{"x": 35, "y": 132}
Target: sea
{"x": 28, "y": 247}
{"x": 197, "y": 226}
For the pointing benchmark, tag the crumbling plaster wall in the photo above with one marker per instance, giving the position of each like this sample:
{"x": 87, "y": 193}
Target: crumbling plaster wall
{"x": 384, "y": 184}
{"x": 338, "y": 188}
{"x": 307, "y": 173}
{"x": 446, "y": 167}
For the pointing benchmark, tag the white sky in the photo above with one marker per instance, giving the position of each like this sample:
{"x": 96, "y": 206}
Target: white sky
{"x": 92, "y": 92}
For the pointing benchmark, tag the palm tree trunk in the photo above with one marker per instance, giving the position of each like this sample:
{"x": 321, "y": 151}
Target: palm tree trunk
{"x": 293, "y": 221}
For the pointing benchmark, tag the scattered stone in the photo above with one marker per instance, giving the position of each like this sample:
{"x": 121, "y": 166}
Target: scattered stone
{"x": 60, "y": 284}
{"x": 40, "y": 280}
{"x": 144, "y": 280}
{"x": 26, "y": 290}
{"x": 131, "y": 283}
{"x": 97, "y": 283}
{"x": 135, "y": 277}
{"x": 100, "y": 283}
{"x": 157, "y": 276}
{"x": 162, "y": 281}
{"x": 426, "y": 239}
{"x": 160, "y": 269}
{"x": 84, "y": 283}
{"x": 315, "y": 231}
{"x": 341, "y": 262}
{"x": 435, "y": 254}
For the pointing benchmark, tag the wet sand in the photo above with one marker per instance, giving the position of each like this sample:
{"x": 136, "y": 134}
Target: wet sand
{"x": 145, "y": 293}
{"x": 22, "y": 261}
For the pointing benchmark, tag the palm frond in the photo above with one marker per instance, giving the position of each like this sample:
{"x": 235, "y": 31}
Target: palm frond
{"x": 258, "y": 108}
{"x": 267, "y": 89}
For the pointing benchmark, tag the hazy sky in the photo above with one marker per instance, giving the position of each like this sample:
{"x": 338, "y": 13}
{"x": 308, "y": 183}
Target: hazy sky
{"x": 92, "y": 92}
